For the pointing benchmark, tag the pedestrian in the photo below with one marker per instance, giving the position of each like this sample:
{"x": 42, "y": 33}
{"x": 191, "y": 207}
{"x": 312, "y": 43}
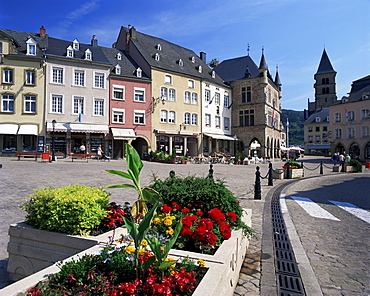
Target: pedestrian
{"x": 341, "y": 158}
{"x": 335, "y": 158}
{"x": 101, "y": 154}
{"x": 347, "y": 159}
{"x": 82, "y": 148}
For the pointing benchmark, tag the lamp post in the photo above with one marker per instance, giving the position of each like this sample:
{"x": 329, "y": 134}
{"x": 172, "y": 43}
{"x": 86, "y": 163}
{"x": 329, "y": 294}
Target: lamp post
{"x": 235, "y": 138}
{"x": 54, "y": 122}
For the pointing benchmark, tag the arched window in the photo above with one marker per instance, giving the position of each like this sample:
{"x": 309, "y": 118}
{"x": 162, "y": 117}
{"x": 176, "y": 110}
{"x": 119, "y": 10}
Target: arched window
{"x": 323, "y": 81}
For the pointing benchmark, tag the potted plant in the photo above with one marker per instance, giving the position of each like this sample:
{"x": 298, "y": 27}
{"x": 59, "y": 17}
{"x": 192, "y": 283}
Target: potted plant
{"x": 184, "y": 159}
{"x": 292, "y": 169}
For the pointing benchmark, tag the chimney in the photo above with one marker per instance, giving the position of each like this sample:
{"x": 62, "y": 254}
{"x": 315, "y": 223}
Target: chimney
{"x": 203, "y": 56}
{"x": 94, "y": 41}
{"x": 133, "y": 32}
{"x": 42, "y": 31}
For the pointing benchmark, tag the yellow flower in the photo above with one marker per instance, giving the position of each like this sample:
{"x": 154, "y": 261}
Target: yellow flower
{"x": 173, "y": 218}
{"x": 144, "y": 242}
{"x": 156, "y": 220}
{"x": 170, "y": 259}
{"x": 201, "y": 263}
{"x": 170, "y": 231}
{"x": 130, "y": 250}
{"x": 141, "y": 252}
{"x": 167, "y": 222}
{"x": 162, "y": 249}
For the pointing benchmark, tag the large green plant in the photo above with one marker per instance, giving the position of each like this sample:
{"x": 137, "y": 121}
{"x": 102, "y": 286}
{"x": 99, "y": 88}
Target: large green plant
{"x": 146, "y": 194}
{"x": 70, "y": 209}
{"x": 356, "y": 164}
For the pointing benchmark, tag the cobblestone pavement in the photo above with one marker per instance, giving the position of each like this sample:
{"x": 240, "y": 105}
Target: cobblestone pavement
{"x": 19, "y": 179}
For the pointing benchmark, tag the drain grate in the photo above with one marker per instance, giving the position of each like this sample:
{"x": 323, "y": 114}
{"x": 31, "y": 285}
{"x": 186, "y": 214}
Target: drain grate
{"x": 288, "y": 276}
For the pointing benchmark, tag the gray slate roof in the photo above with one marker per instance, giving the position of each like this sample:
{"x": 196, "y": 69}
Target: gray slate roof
{"x": 360, "y": 84}
{"x": 325, "y": 64}
{"x": 170, "y": 54}
{"x": 323, "y": 114}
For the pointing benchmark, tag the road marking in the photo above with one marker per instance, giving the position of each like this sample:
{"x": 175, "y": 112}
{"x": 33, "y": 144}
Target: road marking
{"x": 354, "y": 210}
{"x": 313, "y": 209}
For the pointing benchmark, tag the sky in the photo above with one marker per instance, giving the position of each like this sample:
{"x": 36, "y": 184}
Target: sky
{"x": 292, "y": 33}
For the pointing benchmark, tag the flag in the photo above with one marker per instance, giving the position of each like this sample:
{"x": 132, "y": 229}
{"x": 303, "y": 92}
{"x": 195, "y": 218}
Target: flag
{"x": 210, "y": 102}
{"x": 79, "y": 117}
{"x": 345, "y": 110}
{"x": 273, "y": 119}
{"x": 287, "y": 123}
{"x": 230, "y": 105}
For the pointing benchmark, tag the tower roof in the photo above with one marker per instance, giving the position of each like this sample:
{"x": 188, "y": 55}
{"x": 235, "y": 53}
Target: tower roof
{"x": 263, "y": 65}
{"x": 325, "y": 64}
{"x": 277, "y": 78}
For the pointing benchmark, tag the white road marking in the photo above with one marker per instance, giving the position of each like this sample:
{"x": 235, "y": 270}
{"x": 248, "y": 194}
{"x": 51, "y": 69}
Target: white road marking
{"x": 313, "y": 209}
{"x": 354, "y": 210}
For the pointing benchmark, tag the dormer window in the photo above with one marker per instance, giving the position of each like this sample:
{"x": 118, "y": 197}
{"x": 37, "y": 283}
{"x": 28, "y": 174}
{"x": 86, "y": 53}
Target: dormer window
{"x": 192, "y": 59}
{"x": 117, "y": 69}
{"x": 88, "y": 55}
{"x": 156, "y": 56}
{"x": 317, "y": 119}
{"x": 158, "y": 47}
{"x": 70, "y": 52}
{"x": 76, "y": 44}
{"x": 139, "y": 72}
{"x": 119, "y": 56}
{"x": 213, "y": 74}
{"x": 328, "y": 118}
{"x": 200, "y": 69}
{"x": 181, "y": 63}
{"x": 31, "y": 46}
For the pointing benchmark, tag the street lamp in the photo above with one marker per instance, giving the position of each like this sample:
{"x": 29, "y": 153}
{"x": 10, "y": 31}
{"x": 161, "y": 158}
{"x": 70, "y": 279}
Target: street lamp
{"x": 54, "y": 122}
{"x": 235, "y": 138}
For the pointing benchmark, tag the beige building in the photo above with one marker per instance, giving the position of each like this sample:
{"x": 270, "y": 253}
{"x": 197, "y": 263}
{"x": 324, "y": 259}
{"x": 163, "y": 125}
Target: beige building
{"x": 21, "y": 92}
{"x": 350, "y": 122}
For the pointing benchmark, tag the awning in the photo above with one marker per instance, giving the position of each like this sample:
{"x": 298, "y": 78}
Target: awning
{"x": 78, "y": 128}
{"x": 28, "y": 129}
{"x": 8, "y": 129}
{"x": 123, "y": 133}
{"x": 221, "y": 137}
{"x": 318, "y": 146}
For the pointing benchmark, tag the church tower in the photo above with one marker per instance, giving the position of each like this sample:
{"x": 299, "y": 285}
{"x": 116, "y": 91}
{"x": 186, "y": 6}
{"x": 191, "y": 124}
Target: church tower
{"x": 325, "y": 85}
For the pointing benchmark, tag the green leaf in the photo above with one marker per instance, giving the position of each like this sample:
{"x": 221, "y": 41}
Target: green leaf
{"x": 145, "y": 223}
{"x": 135, "y": 156}
{"x": 173, "y": 239}
{"x": 120, "y": 173}
{"x": 122, "y": 186}
{"x": 166, "y": 264}
{"x": 149, "y": 262}
{"x": 151, "y": 196}
{"x": 139, "y": 208}
{"x": 132, "y": 229}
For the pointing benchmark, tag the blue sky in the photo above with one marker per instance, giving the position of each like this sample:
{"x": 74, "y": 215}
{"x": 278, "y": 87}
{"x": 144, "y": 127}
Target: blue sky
{"x": 292, "y": 32}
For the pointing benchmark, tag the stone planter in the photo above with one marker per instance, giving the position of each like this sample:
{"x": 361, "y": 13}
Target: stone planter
{"x": 220, "y": 279}
{"x": 278, "y": 174}
{"x": 295, "y": 173}
{"x": 337, "y": 168}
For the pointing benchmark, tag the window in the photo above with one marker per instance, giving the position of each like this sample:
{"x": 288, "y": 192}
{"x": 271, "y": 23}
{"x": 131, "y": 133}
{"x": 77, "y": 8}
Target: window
{"x": 88, "y": 55}
{"x": 187, "y": 118}
{"x": 56, "y": 104}
{"x": 117, "y": 69}
{"x": 365, "y": 132}
{"x": 338, "y": 117}
{"x": 217, "y": 121}
{"x": 310, "y": 139}
{"x": 246, "y": 94}
{"x": 181, "y": 63}
{"x": 351, "y": 116}
{"x": 163, "y": 116}
{"x": 194, "y": 119}
{"x": 167, "y": 79}
{"x": 338, "y": 133}
{"x": 70, "y": 52}
{"x": 200, "y": 69}
{"x": 118, "y": 115}
{"x": 324, "y": 138}
{"x": 324, "y": 128}
{"x": 99, "y": 80}
{"x": 171, "y": 117}
{"x": 246, "y": 117}
{"x": 172, "y": 94}
{"x": 317, "y": 138}
{"x": 317, "y": 129}
{"x": 207, "y": 95}
{"x": 7, "y": 104}
{"x": 164, "y": 92}
{"x": 310, "y": 129}
{"x": 8, "y": 76}
{"x": 187, "y": 97}
{"x": 190, "y": 83}
{"x": 213, "y": 73}
{"x": 226, "y": 123}
{"x": 30, "y": 78}
{"x": 351, "y": 133}
{"x": 29, "y": 104}
{"x": 139, "y": 95}
{"x": 79, "y": 78}
{"x": 31, "y": 46}
{"x": 217, "y": 98}
{"x": 118, "y": 93}
{"x": 365, "y": 114}
{"x": 208, "y": 119}
{"x": 226, "y": 101}
{"x": 57, "y": 75}
{"x": 194, "y": 98}
{"x": 318, "y": 119}
{"x": 139, "y": 72}
{"x": 76, "y": 44}
{"x": 156, "y": 56}
{"x": 139, "y": 117}
{"x": 159, "y": 47}
{"x": 78, "y": 105}
{"x": 119, "y": 56}
{"x": 99, "y": 107}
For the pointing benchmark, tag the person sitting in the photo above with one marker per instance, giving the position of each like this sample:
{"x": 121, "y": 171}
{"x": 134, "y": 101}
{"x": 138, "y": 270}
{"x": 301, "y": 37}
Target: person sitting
{"x": 101, "y": 154}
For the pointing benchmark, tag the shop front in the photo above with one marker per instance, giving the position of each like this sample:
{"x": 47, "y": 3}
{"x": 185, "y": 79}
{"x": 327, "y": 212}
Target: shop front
{"x": 218, "y": 143}
{"x": 181, "y": 142}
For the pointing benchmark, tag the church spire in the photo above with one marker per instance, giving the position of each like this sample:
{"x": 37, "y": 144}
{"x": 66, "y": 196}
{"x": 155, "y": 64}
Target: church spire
{"x": 325, "y": 64}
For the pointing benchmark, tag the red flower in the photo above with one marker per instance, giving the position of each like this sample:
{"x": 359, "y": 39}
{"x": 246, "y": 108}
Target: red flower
{"x": 188, "y": 220}
{"x": 166, "y": 209}
{"x": 216, "y": 215}
{"x": 225, "y": 230}
{"x": 176, "y": 206}
{"x": 231, "y": 216}
{"x": 185, "y": 210}
{"x": 199, "y": 213}
{"x": 207, "y": 222}
{"x": 186, "y": 231}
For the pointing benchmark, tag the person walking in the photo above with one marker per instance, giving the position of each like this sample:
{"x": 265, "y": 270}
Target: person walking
{"x": 335, "y": 158}
{"x": 82, "y": 148}
{"x": 347, "y": 159}
{"x": 341, "y": 158}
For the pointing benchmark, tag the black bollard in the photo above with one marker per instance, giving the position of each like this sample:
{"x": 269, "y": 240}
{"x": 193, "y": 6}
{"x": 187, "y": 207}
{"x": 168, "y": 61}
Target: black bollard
{"x": 343, "y": 167}
{"x": 321, "y": 168}
{"x": 288, "y": 172}
{"x": 302, "y": 168}
{"x": 210, "y": 172}
{"x": 270, "y": 183}
{"x": 172, "y": 174}
{"x": 257, "y": 185}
